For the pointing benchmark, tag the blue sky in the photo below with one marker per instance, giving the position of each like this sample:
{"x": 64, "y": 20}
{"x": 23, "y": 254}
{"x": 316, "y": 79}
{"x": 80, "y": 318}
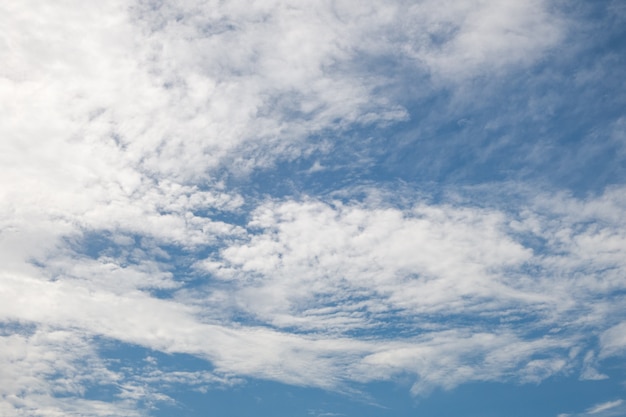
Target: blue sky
{"x": 313, "y": 208}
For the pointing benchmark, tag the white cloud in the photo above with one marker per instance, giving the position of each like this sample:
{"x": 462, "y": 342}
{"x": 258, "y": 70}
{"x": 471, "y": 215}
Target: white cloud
{"x": 125, "y": 120}
{"x": 608, "y": 408}
{"x": 458, "y": 40}
{"x": 112, "y": 109}
{"x": 180, "y": 88}
{"x": 310, "y": 261}
{"x": 422, "y": 261}
{"x": 589, "y": 371}
{"x": 604, "y": 406}
{"x": 448, "y": 293}
{"x": 46, "y": 373}
{"x": 613, "y": 340}
{"x": 344, "y": 268}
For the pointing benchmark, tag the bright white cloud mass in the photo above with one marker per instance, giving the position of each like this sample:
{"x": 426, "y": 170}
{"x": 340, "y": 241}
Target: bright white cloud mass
{"x": 312, "y": 200}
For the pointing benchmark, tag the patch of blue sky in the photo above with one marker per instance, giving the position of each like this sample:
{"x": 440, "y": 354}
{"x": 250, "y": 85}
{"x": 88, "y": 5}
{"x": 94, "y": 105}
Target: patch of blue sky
{"x": 554, "y": 396}
{"x": 95, "y": 244}
{"x": 15, "y": 327}
{"x": 153, "y": 377}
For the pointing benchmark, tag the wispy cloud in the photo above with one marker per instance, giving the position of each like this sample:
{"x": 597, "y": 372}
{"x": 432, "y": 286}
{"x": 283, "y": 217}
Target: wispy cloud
{"x": 46, "y": 372}
{"x": 604, "y": 406}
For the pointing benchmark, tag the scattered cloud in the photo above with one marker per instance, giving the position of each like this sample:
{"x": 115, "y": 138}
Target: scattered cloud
{"x": 129, "y": 128}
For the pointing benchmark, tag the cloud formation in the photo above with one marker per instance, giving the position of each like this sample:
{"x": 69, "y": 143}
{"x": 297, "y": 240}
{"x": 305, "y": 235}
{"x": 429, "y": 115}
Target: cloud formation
{"x": 128, "y": 131}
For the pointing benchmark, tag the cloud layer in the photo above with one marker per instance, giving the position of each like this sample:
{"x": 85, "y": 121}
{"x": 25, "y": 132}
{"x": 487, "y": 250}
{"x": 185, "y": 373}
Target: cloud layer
{"x": 132, "y": 134}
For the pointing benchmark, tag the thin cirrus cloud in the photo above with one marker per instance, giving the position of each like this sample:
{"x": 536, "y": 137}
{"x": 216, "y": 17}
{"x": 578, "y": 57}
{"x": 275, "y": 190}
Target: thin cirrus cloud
{"x": 604, "y": 406}
{"x": 608, "y": 408}
{"x": 128, "y": 130}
